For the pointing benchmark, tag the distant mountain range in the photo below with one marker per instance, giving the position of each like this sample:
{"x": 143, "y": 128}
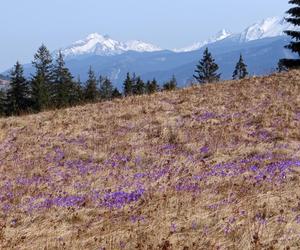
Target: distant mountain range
{"x": 96, "y": 44}
{"x": 3, "y": 77}
{"x": 262, "y": 45}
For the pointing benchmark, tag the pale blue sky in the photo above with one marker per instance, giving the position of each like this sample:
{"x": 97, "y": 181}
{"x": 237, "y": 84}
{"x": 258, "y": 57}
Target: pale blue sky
{"x": 25, "y": 24}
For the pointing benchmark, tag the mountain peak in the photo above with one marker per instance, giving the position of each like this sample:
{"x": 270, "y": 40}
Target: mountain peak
{"x": 94, "y": 36}
{"x": 222, "y": 34}
{"x": 269, "y": 27}
{"x": 97, "y": 44}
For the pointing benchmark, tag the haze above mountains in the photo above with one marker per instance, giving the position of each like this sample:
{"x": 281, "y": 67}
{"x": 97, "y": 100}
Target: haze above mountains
{"x": 262, "y": 45}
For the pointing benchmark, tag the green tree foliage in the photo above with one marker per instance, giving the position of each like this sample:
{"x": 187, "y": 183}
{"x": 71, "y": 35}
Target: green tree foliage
{"x": 170, "y": 85}
{"x": 62, "y": 86}
{"x": 17, "y": 98}
{"x": 240, "y": 71}
{"x": 2, "y": 102}
{"x": 294, "y": 46}
{"x": 106, "y": 89}
{"x": 206, "y": 70}
{"x": 77, "y": 93}
{"x": 128, "y": 85}
{"x": 152, "y": 86}
{"x": 138, "y": 86}
{"x": 42, "y": 80}
{"x": 91, "y": 92}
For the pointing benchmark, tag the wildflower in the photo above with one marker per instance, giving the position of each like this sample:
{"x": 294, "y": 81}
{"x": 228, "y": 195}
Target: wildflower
{"x": 173, "y": 227}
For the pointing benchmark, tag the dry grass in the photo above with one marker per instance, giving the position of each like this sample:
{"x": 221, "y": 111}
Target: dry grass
{"x": 164, "y": 150}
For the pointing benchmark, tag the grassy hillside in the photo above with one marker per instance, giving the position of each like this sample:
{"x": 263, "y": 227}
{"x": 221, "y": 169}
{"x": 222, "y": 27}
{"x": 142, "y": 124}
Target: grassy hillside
{"x": 210, "y": 167}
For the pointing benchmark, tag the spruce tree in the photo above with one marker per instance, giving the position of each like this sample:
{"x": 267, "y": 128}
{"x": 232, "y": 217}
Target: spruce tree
{"x": 152, "y": 86}
{"x": 116, "y": 93}
{"x": 240, "y": 71}
{"x": 206, "y": 70}
{"x": 91, "y": 92}
{"x": 294, "y": 45}
{"x": 62, "y": 83}
{"x": 106, "y": 89}
{"x": 77, "y": 94}
{"x": 170, "y": 85}
{"x": 42, "y": 80}
{"x": 128, "y": 85}
{"x": 138, "y": 86}
{"x": 17, "y": 98}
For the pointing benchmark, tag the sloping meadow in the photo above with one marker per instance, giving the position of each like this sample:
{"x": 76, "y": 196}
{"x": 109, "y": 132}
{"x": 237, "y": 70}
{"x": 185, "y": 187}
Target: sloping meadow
{"x": 206, "y": 167}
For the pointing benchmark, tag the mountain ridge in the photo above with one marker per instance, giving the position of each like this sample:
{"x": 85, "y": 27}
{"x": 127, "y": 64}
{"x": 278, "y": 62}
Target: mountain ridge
{"x": 97, "y": 44}
{"x": 266, "y": 28}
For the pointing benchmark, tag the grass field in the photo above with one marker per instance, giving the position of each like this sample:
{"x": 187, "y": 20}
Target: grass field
{"x": 206, "y": 167}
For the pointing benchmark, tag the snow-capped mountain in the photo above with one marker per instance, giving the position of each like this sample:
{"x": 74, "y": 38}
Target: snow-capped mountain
{"x": 270, "y": 27}
{"x": 222, "y": 34}
{"x": 96, "y": 44}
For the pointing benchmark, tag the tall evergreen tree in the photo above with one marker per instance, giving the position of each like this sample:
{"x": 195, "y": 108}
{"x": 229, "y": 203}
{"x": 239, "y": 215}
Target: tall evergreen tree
{"x": 152, "y": 86}
{"x": 77, "y": 94}
{"x": 91, "y": 92}
{"x": 240, "y": 71}
{"x": 138, "y": 86}
{"x": 206, "y": 70}
{"x": 62, "y": 83}
{"x": 17, "y": 98}
{"x": 170, "y": 85}
{"x": 106, "y": 88}
{"x": 42, "y": 80}
{"x": 128, "y": 85}
{"x": 294, "y": 45}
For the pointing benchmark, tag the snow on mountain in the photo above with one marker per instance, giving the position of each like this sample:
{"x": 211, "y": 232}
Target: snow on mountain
{"x": 270, "y": 27}
{"x": 222, "y": 35}
{"x": 140, "y": 46}
{"x": 97, "y": 44}
{"x": 218, "y": 37}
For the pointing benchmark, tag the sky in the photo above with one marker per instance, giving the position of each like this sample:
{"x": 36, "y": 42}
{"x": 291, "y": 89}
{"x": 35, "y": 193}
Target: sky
{"x": 26, "y": 24}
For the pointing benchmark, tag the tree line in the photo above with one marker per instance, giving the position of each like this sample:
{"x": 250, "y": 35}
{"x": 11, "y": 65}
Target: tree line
{"x": 52, "y": 86}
